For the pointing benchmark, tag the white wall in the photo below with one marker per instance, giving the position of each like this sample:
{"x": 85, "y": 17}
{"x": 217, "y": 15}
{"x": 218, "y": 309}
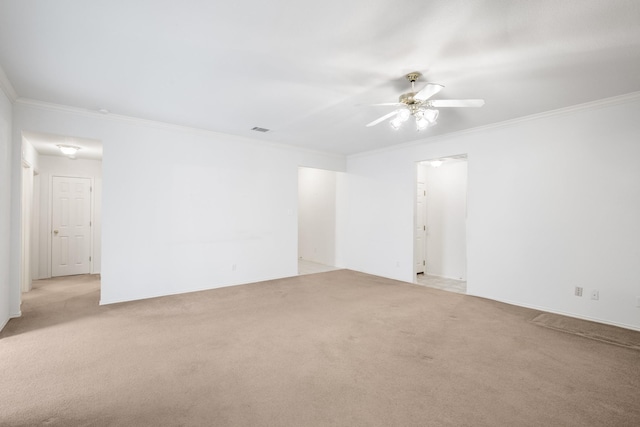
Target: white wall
{"x": 553, "y": 203}
{"x": 317, "y": 215}
{"x": 181, "y": 207}
{"x": 446, "y": 207}
{"x": 50, "y": 166}
{"x": 6, "y": 308}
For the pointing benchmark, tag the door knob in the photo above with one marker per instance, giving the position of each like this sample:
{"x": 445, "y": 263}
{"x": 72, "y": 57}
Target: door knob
{"x": 55, "y": 231}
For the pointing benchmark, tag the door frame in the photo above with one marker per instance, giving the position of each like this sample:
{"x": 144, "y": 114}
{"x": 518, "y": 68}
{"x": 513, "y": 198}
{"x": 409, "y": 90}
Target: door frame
{"x": 26, "y": 214}
{"x": 417, "y": 232}
{"x": 50, "y": 220}
{"x": 419, "y": 163}
{"x": 416, "y": 167}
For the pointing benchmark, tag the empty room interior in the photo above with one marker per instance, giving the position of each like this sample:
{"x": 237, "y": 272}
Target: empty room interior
{"x": 364, "y": 213}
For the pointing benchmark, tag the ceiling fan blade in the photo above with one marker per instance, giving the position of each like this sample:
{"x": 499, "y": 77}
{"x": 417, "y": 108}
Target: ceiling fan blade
{"x": 438, "y": 103}
{"x": 383, "y": 104}
{"x": 387, "y": 104}
{"x": 382, "y": 119}
{"x": 428, "y": 91}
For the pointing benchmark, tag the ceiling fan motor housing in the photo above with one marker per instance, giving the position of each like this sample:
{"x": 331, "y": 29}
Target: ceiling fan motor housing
{"x": 414, "y": 105}
{"x": 407, "y": 98}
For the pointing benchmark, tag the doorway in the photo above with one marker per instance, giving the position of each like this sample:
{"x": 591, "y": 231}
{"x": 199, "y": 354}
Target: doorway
{"x": 440, "y": 232}
{"x": 317, "y": 205}
{"x": 53, "y": 254}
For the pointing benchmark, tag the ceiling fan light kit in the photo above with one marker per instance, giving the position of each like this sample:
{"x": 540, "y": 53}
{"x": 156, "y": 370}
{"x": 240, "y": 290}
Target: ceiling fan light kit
{"x": 418, "y": 105}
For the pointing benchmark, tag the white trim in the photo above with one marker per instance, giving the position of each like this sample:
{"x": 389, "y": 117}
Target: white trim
{"x": 161, "y": 294}
{"x": 563, "y": 313}
{"x": 601, "y": 103}
{"x": 11, "y": 316}
{"x": 92, "y": 227}
{"x": 49, "y": 225}
{"x": 26, "y": 226}
{"x": 7, "y": 87}
{"x": 168, "y": 126}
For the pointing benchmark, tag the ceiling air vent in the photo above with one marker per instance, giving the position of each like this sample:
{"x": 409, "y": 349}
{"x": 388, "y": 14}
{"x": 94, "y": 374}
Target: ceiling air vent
{"x": 259, "y": 129}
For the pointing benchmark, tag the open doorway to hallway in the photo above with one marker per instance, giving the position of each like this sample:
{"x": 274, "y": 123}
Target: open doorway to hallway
{"x": 440, "y": 233}
{"x": 61, "y": 209}
{"x": 317, "y": 206}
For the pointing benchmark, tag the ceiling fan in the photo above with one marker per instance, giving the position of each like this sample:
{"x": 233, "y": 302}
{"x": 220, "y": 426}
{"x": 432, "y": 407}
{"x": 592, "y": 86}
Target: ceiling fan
{"x": 418, "y": 105}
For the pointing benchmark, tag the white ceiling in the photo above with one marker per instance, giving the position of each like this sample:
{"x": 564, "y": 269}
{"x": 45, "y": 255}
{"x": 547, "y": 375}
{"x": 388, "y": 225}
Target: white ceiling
{"x": 301, "y": 68}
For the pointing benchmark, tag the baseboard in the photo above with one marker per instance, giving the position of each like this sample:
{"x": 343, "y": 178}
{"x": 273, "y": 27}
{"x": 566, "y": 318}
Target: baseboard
{"x": 444, "y": 277}
{"x": 11, "y": 316}
{"x": 563, "y": 313}
{"x": 140, "y": 297}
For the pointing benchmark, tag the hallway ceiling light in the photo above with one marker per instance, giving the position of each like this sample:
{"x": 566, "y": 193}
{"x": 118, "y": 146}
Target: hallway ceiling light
{"x": 69, "y": 150}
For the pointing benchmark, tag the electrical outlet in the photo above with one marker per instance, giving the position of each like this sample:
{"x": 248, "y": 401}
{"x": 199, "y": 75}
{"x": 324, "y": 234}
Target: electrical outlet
{"x": 234, "y": 267}
{"x": 595, "y": 295}
{"x": 578, "y": 291}
{"x": 638, "y": 302}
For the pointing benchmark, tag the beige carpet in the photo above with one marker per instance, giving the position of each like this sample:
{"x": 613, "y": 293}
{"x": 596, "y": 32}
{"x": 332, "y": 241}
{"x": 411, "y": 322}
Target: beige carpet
{"x": 330, "y": 349}
{"x": 592, "y": 330}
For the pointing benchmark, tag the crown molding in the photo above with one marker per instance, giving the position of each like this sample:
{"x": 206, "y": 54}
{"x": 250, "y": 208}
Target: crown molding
{"x": 591, "y": 105}
{"x": 7, "y": 87}
{"x": 48, "y": 106}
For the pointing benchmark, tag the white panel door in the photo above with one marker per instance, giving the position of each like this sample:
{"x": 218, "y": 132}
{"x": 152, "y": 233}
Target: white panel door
{"x": 421, "y": 228}
{"x": 71, "y": 226}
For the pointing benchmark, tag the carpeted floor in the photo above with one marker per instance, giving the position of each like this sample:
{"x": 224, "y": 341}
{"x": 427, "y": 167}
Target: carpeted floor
{"x": 332, "y": 349}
